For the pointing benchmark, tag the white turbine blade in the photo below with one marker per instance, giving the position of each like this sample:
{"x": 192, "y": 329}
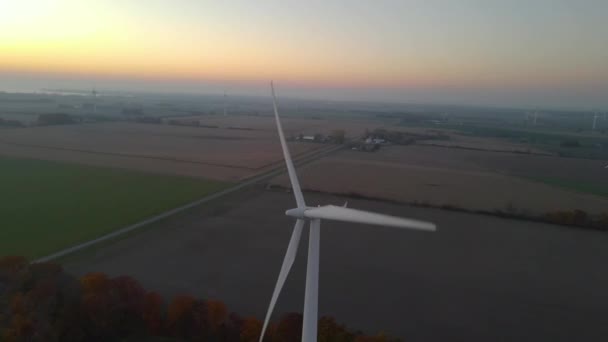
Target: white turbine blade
{"x": 332, "y": 212}
{"x": 295, "y": 184}
{"x": 311, "y": 296}
{"x": 290, "y": 256}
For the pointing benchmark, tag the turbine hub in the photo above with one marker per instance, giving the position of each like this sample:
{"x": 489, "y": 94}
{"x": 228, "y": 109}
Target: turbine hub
{"x": 296, "y": 212}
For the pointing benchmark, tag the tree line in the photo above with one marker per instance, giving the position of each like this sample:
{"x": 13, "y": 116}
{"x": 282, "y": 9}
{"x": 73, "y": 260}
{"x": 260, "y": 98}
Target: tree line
{"x": 41, "y": 302}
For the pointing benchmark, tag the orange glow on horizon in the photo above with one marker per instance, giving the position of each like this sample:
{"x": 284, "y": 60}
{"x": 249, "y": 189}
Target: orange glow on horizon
{"x": 129, "y": 40}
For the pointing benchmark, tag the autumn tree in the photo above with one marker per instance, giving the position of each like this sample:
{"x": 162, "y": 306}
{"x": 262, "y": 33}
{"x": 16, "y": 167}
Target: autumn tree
{"x": 112, "y": 306}
{"x": 186, "y": 317}
{"x": 94, "y": 282}
{"x": 217, "y": 314}
{"x": 126, "y": 298}
{"x": 153, "y": 309}
{"x": 231, "y": 330}
{"x": 43, "y": 303}
{"x": 95, "y": 306}
{"x": 40, "y": 302}
{"x": 251, "y": 329}
{"x": 290, "y": 327}
{"x": 330, "y": 331}
{"x": 11, "y": 265}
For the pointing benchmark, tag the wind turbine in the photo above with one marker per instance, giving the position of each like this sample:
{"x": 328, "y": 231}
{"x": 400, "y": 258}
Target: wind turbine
{"x": 94, "y": 94}
{"x": 314, "y": 215}
{"x": 224, "y": 103}
{"x": 532, "y": 116}
{"x": 595, "y": 116}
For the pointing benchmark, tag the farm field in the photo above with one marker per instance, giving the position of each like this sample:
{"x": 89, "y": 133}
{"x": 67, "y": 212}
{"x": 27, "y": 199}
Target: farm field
{"x": 221, "y": 154}
{"x": 488, "y": 144}
{"x": 458, "y": 139}
{"x": 292, "y": 125}
{"x": 478, "y": 278}
{"x": 48, "y": 206}
{"x": 586, "y": 144}
{"x": 475, "y": 180}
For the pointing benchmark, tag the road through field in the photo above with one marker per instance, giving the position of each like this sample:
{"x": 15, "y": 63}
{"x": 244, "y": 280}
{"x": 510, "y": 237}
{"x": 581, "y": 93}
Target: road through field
{"x": 256, "y": 179}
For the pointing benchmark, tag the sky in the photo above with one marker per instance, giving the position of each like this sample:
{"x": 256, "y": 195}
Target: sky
{"x": 487, "y": 52}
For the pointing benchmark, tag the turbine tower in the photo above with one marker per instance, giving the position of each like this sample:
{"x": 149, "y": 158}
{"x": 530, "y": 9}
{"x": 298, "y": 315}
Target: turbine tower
{"x": 94, "y": 94}
{"x": 224, "y": 103}
{"x": 314, "y": 215}
{"x": 595, "y": 116}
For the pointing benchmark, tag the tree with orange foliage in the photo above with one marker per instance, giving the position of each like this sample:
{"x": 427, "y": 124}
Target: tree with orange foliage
{"x": 43, "y": 302}
{"x": 94, "y": 283}
{"x": 153, "y": 313}
{"x": 20, "y": 328}
{"x": 127, "y": 303}
{"x": 217, "y": 314}
{"x": 330, "y": 331}
{"x": 251, "y": 329}
{"x": 231, "y": 330}
{"x": 19, "y": 324}
{"x": 95, "y": 304}
{"x": 186, "y": 317}
{"x": 39, "y": 302}
{"x": 289, "y": 328}
{"x": 11, "y": 265}
{"x": 113, "y": 306}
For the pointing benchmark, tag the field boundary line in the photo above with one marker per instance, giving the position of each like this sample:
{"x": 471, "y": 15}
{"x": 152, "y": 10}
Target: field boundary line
{"x": 141, "y": 156}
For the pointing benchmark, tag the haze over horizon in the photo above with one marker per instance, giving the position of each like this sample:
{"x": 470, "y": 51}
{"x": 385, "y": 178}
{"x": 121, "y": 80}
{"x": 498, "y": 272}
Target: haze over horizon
{"x": 517, "y": 53}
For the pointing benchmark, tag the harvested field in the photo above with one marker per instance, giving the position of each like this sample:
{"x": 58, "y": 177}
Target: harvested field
{"x": 440, "y": 176}
{"x": 487, "y": 144}
{"x": 477, "y": 278}
{"x": 459, "y": 140}
{"x": 222, "y": 154}
{"x": 23, "y": 118}
{"x": 354, "y": 128}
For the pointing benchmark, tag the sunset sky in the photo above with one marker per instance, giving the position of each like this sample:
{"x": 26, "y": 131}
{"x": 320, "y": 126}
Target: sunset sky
{"x": 543, "y": 52}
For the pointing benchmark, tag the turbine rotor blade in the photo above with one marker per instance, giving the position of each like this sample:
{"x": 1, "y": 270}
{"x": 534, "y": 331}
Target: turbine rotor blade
{"x": 290, "y": 256}
{"x": 293, "y": 178}
{"x": 332, "y": 212}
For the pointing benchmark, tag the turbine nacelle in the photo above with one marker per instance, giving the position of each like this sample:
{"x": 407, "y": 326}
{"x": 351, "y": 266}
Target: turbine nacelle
{"x": 297, "y": 213}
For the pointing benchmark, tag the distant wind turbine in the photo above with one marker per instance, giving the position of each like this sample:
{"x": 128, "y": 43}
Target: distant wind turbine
{"x": 532, "y": 116}
{"x": 94, "y": 94}
{"x": 595, "y": 116}
{"x": 224, "y": 103}
{"x": 314, "y": 215}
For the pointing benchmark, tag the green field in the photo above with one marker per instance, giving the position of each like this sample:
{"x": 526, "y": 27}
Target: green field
{"x": 47, "y": 206}
{"x": 600, "y": 189}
